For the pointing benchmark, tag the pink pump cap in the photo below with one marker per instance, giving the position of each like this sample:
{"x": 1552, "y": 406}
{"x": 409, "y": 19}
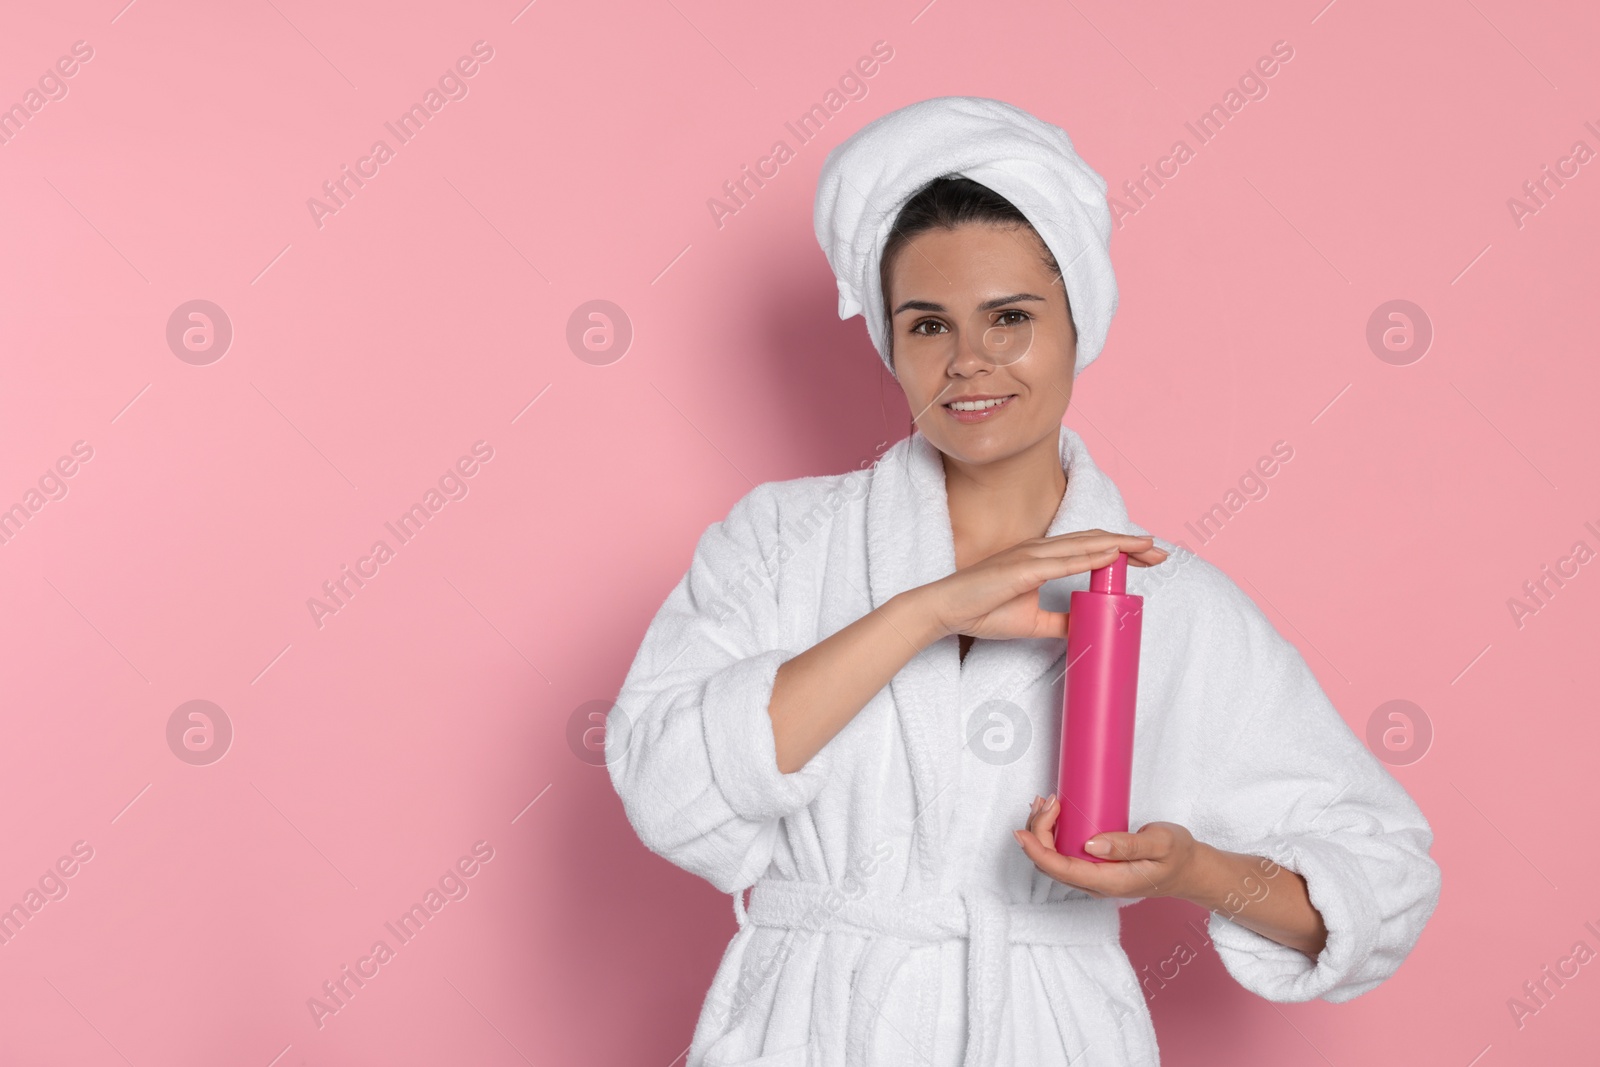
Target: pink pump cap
{"x": 1112, "y": 578}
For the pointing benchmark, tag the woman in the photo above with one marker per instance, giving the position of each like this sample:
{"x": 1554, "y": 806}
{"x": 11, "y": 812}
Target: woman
{"x": 811, "y": 713}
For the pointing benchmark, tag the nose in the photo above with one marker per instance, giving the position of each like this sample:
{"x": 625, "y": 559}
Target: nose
{"x": 972, "y": 355}
{"x": 992, "y": 344}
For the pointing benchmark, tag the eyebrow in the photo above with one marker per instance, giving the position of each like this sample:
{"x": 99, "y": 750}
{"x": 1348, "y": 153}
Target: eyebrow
{"x": 987, "y": 305}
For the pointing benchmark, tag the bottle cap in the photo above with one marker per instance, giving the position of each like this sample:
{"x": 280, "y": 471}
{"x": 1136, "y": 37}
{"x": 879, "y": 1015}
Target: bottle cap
{"x": 1112, "y": 578}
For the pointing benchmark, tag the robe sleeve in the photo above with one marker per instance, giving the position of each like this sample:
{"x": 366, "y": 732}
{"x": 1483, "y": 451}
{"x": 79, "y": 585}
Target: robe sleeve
{"x": 689, "y": 743}
{"x": 1292, "y": 783}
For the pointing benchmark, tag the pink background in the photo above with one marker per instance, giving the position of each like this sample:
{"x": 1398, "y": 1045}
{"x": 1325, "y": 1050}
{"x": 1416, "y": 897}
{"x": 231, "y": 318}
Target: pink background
{"x": 434, "y": 709}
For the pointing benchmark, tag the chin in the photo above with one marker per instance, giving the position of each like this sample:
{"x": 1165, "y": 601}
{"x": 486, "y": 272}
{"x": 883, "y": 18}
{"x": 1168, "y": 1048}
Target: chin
{"x": 981, "y": 448}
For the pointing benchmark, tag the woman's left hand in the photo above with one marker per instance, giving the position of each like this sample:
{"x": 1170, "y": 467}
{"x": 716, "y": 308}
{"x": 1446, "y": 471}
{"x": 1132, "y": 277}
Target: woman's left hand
{"x": 1158, "y": 861}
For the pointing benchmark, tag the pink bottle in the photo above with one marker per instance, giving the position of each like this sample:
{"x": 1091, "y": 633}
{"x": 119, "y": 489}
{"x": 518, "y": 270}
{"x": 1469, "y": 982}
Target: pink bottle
{"x": 1103, "y": 628}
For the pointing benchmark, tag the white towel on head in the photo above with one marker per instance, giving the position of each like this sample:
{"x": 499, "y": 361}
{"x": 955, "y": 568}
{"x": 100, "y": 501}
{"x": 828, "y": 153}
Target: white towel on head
{"x": 867, "y": 179}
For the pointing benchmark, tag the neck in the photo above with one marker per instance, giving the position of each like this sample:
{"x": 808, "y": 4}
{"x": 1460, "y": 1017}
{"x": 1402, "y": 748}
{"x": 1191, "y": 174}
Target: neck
{"x": 995, "y": 505}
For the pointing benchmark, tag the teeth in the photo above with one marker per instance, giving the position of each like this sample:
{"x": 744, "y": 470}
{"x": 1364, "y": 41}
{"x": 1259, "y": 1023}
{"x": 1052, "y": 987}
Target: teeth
{"x": 977, "y": 405}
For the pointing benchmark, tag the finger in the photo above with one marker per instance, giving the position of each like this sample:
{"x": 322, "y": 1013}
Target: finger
{"x": 1097, "y": 879}
{"x": 1098, "y": 552}
{"x": 1071, "y": 870}
{"x": 1060, "y": 564}
{"x": 1131, "y": 879}
{"x": 1050, "y": 624}
{"x": 1044, "y": 823}
{"x": 1033, "y": 814}
{"x": 1096, "y": 540}
{"x": 1037, "y": 829}
{"x": 1119, "y": 846}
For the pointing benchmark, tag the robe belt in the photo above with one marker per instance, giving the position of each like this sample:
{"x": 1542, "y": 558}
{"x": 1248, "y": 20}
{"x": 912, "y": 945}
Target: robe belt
{"x": 893, "y": 926}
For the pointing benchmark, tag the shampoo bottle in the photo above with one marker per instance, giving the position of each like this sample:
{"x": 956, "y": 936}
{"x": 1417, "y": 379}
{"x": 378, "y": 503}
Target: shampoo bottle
{"x": 1103, "y": 628}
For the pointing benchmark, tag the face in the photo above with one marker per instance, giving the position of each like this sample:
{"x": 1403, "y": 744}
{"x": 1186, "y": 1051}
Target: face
{"x": 976, "y": 312}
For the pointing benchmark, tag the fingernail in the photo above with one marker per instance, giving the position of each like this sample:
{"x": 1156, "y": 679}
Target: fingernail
{"x": 1097, "y": 846}
{"x": 1018, "y": 835}
{"x": 1049, "y": 800}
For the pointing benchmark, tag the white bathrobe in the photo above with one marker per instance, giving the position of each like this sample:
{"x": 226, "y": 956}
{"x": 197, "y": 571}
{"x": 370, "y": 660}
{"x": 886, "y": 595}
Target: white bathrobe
{"x": 894, "y": 919}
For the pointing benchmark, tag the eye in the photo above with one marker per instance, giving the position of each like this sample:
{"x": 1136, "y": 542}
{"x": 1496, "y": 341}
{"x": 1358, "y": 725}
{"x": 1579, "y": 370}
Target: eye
{"x": 1022, "y": 316}
{"x": 918, "y": 328}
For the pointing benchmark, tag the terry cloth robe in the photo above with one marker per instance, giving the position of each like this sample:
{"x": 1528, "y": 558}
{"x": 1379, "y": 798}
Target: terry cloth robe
{"x": 893, "y": 919}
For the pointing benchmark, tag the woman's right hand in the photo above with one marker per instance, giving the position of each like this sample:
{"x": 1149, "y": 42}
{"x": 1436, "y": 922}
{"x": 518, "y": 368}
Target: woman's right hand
{"x": 998, "y": 597}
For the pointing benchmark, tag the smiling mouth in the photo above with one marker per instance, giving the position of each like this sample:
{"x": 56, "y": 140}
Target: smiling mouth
{"x": 975, "y": 406}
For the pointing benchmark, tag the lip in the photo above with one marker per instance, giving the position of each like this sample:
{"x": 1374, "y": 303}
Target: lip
{"x": 977, "y": 396}
{"x": 979, "y": 416}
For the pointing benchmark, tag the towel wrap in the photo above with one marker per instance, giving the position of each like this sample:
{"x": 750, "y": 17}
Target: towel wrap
{"x": 895, "y": 925}
{"x": 868, "y": 178}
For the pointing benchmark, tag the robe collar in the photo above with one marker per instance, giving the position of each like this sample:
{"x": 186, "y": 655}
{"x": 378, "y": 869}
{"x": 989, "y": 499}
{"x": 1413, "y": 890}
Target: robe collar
{"x": 910, "y": 543}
